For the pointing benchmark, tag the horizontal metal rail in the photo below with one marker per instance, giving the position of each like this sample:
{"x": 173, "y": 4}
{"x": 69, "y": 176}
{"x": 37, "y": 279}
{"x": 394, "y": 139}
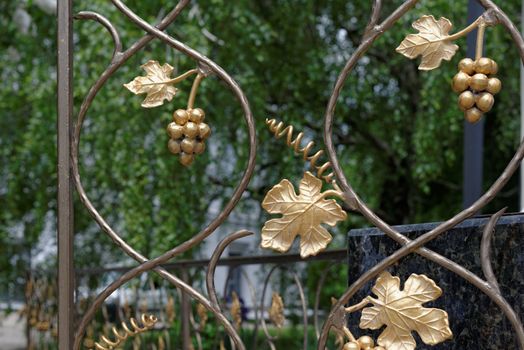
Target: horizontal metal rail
{"x": 335, "y": 254}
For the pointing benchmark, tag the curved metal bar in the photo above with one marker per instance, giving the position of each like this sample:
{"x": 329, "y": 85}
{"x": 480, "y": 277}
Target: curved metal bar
{"x": 253, "y": 293}
{"x": 236, "y": 194}
{"x": 93, "y": 91}
{"x": 118, "y": 61}
{"x": 411, "y": 246}
{"x": 269, "y": 338}
{"x": 90, "y": 15}
{"x": 254, "y": 300}
{"x": 304, "y": 308}
{"x": 303, "y": 300}
{"x": 320, "y": 285}
{"x": 183, "y": 287}
{"x": 507, "y": 23}
{"x": 228, "y": 278}
{"x": 485, "y": 250}
{"x": 210, "y": 274}
{"x": 472, "y": 278}
{"x": 197, "y": 329}
{"x": 375, "y": 16}
{"x": 416, "y": 245}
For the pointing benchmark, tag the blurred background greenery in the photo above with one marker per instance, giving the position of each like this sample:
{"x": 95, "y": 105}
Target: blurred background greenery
{"x": 399, "y": 131}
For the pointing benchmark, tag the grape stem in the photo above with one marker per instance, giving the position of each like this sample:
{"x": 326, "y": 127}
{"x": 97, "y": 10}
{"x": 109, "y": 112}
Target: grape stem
{"x": 479, "y": 23}
{"x": 348, "y": 334}
{"x": 480, "y": 40}
{"x": 194, "y": 89}
{"x": 367, "y": 300}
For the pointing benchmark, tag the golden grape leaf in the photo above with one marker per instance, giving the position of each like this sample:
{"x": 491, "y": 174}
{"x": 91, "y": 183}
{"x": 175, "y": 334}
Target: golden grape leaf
{"x": 303, "y": 215}
{"x": 170, "y": 309}
{"x": 431, "y": 42}
{"x": 276, "y": 311}
{"x": 402, "y": 312}
{"x": 236, "y": 310}
{"x": 157, "y": 84}
{"x": 202, "y": 315}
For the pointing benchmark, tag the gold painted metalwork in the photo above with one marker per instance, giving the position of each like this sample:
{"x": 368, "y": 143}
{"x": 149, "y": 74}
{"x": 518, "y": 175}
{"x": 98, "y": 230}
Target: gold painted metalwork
{"x": 402, "y": 312}
{"x": 302, "y": 215}
{"x": 187, "y": 132}
{"x": 433, "y": 41}
{"x": 39, "y": 311}
{"x": 276, "y": 311}
{"x": 236, "y": 310}
{"x": 137, "y": 343}
{"x": 475, "y": 81}
{"x": 105, "y": 343}
{"x": 202, "y": 315}
{"x": 157, "y": 83}
{"x": 170, "y": 309}
{"x": 279, "y": 129}
{"x": 476, "y": 85}
{"x": 161, "y": 344}
{"x": 89, "y": 341}
{"x": 43, "y": 325}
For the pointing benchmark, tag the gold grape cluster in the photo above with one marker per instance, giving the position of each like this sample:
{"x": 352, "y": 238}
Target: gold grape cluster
{"x": 476, "y": 85}
{"x": 363, "y": 343}
{"x": 188, "y": 133}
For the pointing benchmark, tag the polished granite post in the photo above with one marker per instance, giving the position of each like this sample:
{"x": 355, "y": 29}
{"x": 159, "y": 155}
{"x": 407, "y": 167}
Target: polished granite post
{"x": 475, "y": 321}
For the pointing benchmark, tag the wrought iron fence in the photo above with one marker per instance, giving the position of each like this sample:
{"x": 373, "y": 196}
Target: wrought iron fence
{"x": 260, "y": 304}
{"x": 303, "y": 214}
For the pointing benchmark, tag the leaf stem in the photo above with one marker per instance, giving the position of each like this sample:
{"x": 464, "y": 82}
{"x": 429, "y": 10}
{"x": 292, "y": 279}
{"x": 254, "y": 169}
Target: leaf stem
{"x": 479, "y": 21}
{"x": 194, "y": 89}
{"x": 358, "y": 306}
{"x": 184, "y": 76}
{"x": 175, "y": 80}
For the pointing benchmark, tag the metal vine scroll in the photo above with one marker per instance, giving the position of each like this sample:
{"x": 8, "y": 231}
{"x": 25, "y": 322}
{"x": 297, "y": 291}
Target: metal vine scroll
{"x": 397, "y": 308}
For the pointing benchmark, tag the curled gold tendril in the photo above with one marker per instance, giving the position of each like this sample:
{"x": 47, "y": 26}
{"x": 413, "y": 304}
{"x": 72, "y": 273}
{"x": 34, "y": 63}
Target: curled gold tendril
{"x": 279, "y": 129}
{"x": 105, "y": 343}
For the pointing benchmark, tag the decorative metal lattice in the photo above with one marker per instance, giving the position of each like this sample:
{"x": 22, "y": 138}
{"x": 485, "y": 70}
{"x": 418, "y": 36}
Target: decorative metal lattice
{"x": 401, "y": 311}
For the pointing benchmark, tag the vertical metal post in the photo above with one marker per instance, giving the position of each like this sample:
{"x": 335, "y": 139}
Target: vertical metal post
{"x": 186, "y": 309}
{"x": 473, "y": 133}
{"x": 65, "y": 188}
{"x": 521, "y": 186}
